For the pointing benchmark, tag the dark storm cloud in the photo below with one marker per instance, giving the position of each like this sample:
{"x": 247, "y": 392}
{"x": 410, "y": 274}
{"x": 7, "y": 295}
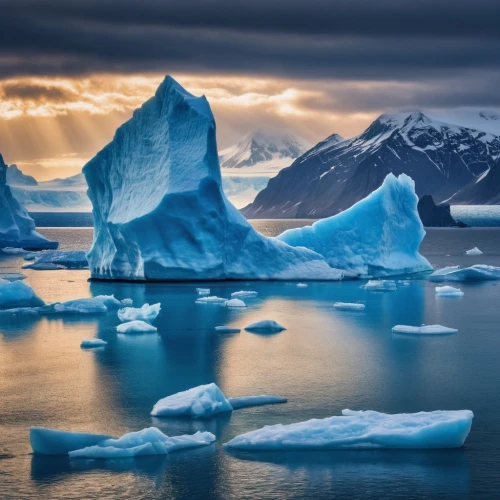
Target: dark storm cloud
{"x": 34, "y": 91}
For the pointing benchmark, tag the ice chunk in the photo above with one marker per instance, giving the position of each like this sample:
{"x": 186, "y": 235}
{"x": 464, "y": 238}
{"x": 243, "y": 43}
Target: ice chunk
{"x": 211, "y": 300}
{"x": 146, "y": 313}
{"x": 363, "y": 429}
{"x": 127, "y": 302}
{"x": 247, "y": 401}
{"x": 136, "y": 326}
{"x": 59, "y": 259}
{"x": 203, "y": 291}
{"x": 478, "y": 272}
{"x": 13, "y": 277}
{"x": 149, "y": 441}
{"x": 235, "y": 303}
{"x": 109, "y": 301}
{"x": 265, "y": 326}
{"x": 20, "y": 310}
{"x": 247, "y": 294}
{"x": 93, "y": 343}
{"x": 349, "y": 306}
{"x": 51, "y": 442}
{"x": 17, "y": 294}
{"x": 77, "y": 306}
{"x": 302, "y": 285}
{"x": 424, "y": 330}
{"x": 378, "y": 236}
{"x": 380, "y": 286}
{"x": 14, "y": 251}
{"x": 227, "y": 329}
{"x": 17, "y": 228}
{"x": 448, "y": 291}
{"x": 474, "y": 251}
{"x": 202, "y": 401}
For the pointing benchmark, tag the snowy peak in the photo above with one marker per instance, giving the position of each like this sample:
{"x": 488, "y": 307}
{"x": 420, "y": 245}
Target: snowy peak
{"x": 15, "y": 177}
{"x": 263, "y": 145}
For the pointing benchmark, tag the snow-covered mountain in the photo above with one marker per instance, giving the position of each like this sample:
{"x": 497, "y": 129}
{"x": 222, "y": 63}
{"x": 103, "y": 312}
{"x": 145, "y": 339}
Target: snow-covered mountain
{"x": 442, "y": 152}
{"x": 15, "y": 177}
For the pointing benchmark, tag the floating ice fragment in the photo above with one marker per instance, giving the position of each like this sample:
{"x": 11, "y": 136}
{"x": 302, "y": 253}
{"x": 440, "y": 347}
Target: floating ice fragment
{"x": 265, "y": 326}
{"x": 448, "y": 291}
{"x": 474, "y": 251}
{"x": 77, "y": 306}
{"x": 227, "y": 329}
{"x": 302, "y": 285}
{"x": 127, "y": 302}
{"x": 17, "y": 294}
{"x": 13, "y": 277}
{"x": 424, "y": 330}
{"x": 363, "y": 429}
{"x": 93, "y": 343}
{"x": 235, "y": 303}
{"x": 349, "y": 306}
{"x": 59, "y": 259}
{"x": 479, "y": 272}
{"x": 247, "y": 401}
{"x": 380, "y": 286}
{"x": 244, "y": 294}
{"x": 203, "y": 291}
{"x": 145, "y": 313}
{"x": 109, "y": 301}
{"x": 211, "y": 300}
{"x": 136, "y": 326}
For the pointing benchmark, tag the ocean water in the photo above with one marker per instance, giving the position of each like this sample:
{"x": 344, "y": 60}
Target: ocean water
{"x": 325, "y": 361}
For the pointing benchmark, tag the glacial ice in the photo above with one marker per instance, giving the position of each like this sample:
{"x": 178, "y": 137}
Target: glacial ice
{"x": 424, "y": 330}
{"x": 77, "y": 306}
{"x": 160, "y": 212}
{"x": 211, "y": 300}
{"x": 448, "y": 291}
{"x": 363, "y": 430}
{"x": 227, "y": 329}
{"x": 247, "y": 401}
{"x": 380, "y": 286}
{"x": 136, "y": 326}
{"x": 16, "y": 294}
{"x": 58, "y": 259}
{"x": 203, "y": 291}
{"x": 88, "y": 344}
{"x": 479, "y": 272}
{"x": 379, "y": 236}
{"x": 109, "y": 301}
{"x": 244, "y": 294}
{"x": 235, "y": 303}
{"x": 265, "y": 326}
{"x": 146, "y": 313}
{"x": 17, "y": 228}
{"x": 474, "y": 251}
{"x": 349, "y": 306}
{"x": 127, "y": 302}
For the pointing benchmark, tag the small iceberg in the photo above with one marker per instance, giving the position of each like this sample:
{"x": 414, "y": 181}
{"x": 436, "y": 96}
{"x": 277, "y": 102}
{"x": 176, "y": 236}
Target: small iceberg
{"x": 302, "y": 285}
{"x": 127, "y": 302}
{"x": 149, "y": 441}
{"x": 17, "y": 294}
{"x": 227, "y": 329}
{"x": 203, "y": 291}
{"x": 380, "y": 286}
{"x": 211, "y": 300}
{"x": 77, "y": 306}
{"x": 109, "y": 301}
{"x": 136, "y": 326}
{"x": 13, "y": 277}
{"x": 88, "y": 344}
{"x": 146, "y": 313}
{"x": 244, "y": 294}
{"x": 265, "y": 326}
{"x": 363, "y": 430}
{"x": 474, "y": 251}
{"x": 59, "y": 259}
{"x": 448, "y": 291}
{"x": 424, "y": 330}
{"x": 207, "y": 400}
{"x": 235, "y": 303}
{"x": 349, "y": 306}
{"x": 479, "y": 272}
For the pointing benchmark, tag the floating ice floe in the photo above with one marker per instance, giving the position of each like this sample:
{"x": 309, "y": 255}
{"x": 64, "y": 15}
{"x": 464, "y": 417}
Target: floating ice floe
{"x": 424, "y": 330}
{"x": 227, "y": 329}
{"x": 448, "y": 291}
{"x": 235, "y": 303}
{"x": 479, "y": 272}
{"x": 87, "y": 344}
{"x": 349, "y": 306}
{"x": 203, "y": 291}
{"x": 149, "y": 441}
{"x": 127, "y": 302}
{"x": 265, "y": 326}
{"x": 17, "y": 294}
{"x": 13, "y": 277}
{"x": 474, "y": 251}
{"x": 136, "y": 326}
{"x": 244, "y": 294}
{"x": 146, "y": 313}
{"x": 380, "y": 286}
{"x": 206, "y": 400}
{"x": 109, "y": 301}
{"x": 302, "y": 285}
{"x": 77, "y": 306}
{"x": 211, "y": 300}
{"x": 363, "y": 430}
{"x": 58, "y": 259}
{"x": 14, "y": 251}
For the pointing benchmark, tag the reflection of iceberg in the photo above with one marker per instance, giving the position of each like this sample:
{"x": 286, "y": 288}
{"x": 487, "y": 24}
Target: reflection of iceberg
{"x": 160, "y": 212}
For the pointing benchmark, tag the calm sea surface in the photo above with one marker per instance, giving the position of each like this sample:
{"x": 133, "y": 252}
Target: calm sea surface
{"x": 325, "y": 361}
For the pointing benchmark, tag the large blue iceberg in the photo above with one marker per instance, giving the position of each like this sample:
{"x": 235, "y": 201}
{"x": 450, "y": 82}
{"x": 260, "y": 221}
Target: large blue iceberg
{"x": 161, "y": 214}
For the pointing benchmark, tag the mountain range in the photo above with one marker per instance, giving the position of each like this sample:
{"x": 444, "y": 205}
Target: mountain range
{"x": 443, "y": 153}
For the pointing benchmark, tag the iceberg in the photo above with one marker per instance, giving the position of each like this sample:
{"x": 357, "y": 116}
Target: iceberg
{"x": 246, "y": 294}
{"x": 136, "y": 326}
{"x": 58, "y": 259}
{"x": 127, "y": 302}
{"x": 161, "y": 214}
{"x": 227, "y": 329}
{"x": 479, "y": 272}
{"x": 247, "y": 401}
{"x": 448, "y": 291}
{"x": 17, "y": 229}
{"x": 146, "y": 313}
{"x": 13, "y": 277}
{"x": 363, "y": 430}
{"x": 211, "y": 300}
{"x": 378, "y": 236}
{"x": 77, "y": 306}
{"x": 235, "y": 303}
{"x": 302, "y": 285}
{"x": 16, "y": 294}
{"x": 380, "y": 286}
{"x": 424, "y": 330}
{"x": 349, "y": 306}
{"x": 474, "y": 251}
{"x": 265, "y": 326}
{"x": 88, "y": 344}
{"x": 109, "y": 301}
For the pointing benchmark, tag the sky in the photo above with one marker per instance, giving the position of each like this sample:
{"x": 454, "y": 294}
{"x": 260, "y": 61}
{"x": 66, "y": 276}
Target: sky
{"x": 72, "y": 71}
